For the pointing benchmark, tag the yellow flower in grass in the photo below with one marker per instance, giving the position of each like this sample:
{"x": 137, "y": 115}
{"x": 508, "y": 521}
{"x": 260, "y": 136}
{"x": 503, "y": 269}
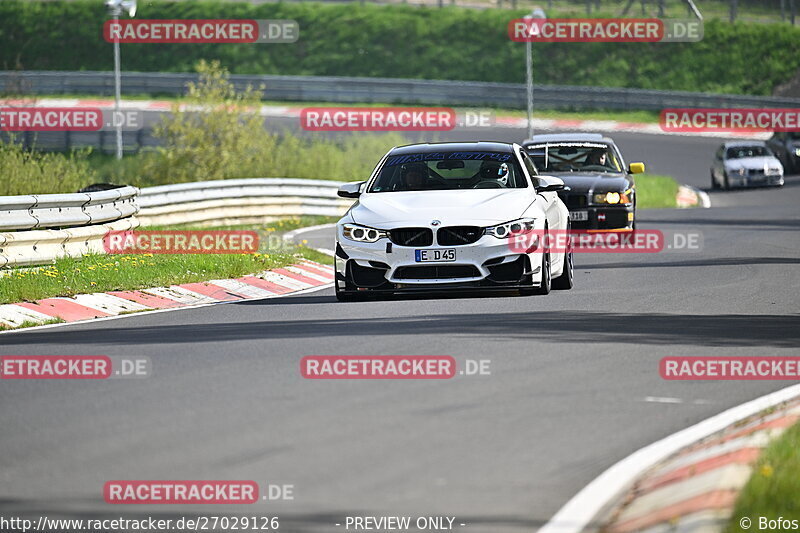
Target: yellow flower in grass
{"x": 767, "y": 470}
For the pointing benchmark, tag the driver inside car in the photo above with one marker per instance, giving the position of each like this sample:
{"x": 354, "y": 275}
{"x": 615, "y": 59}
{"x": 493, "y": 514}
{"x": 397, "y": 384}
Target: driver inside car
{"x": 494, "y": 171}
{"x": 414, "y": 178}
{"x": 597, "y": 157}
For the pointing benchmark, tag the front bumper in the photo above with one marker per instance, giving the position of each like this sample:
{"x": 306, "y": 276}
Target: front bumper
{"x": 486, "y": 263}
{"x": 603, "y": 217}
{"x": 736, "y": 180}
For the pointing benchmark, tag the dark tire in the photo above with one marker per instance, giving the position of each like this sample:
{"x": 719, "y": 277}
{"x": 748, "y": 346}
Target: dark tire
{"x": 725, "y": 184}
{"x": 543, "y": 289}
{"x": 565, "y": 281}
{"x": 547, "y": 281}
{"x": 345, "y": 296}
{"x": 714, "y": 184}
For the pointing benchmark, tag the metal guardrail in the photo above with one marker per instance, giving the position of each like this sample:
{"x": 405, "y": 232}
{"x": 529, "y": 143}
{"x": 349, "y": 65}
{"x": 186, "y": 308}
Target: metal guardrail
{"x": 36, "y": 229}
{"x": 42, "y": 227}
{"x": 49, "y": 211}
{"x": 384, "y": 90}
{"x": 244, "y": 201}
{"x": 37, "y": 247}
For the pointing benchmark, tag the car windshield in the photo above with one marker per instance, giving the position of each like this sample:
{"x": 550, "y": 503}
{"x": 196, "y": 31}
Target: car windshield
{"x": 794, "y": 135}
{"x": 441, "y": 171}
{"x": 574, "y": 157}
{"x": 740, "y": 152}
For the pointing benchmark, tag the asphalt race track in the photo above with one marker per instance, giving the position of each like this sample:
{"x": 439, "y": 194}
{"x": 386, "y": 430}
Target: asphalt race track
{"x": 574, "y": 384}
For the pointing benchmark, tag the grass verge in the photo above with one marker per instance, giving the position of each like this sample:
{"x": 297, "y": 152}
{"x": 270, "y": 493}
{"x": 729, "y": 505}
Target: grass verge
{"x": 773, "y": 488}
{"x": 101, "y": 273}
{"x": 28, "y": 324}
{"x": 653, "y": 190}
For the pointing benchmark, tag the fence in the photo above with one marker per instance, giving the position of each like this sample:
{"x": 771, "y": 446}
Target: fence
{"x": 39, "y": 228}
{"x": 348, "y": 90}
{"x": 385, "y": 90}
{"x": 244, "y": 201}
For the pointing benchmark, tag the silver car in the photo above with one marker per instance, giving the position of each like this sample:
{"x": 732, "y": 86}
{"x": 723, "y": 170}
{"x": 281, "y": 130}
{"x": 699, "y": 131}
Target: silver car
{"x": 745, "y": 164}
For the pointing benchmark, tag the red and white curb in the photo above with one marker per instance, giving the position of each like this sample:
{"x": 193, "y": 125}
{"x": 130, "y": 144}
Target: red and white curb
{"x": 301, "y": 276}
{"x": 697, "y": 488}
{"x": 591, "y": 506}
{"x": 295, "y": 111}
{"x": 689, "y": 196}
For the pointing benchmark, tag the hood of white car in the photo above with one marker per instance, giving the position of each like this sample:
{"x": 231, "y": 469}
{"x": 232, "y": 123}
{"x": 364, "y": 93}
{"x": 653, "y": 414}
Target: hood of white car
{"x": 481, "y": 207}
{"x": 754, "y": 163}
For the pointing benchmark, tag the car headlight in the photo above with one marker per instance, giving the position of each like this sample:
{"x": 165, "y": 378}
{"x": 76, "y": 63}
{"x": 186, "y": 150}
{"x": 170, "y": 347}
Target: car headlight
{"x": 611, "y": 198}
{"x": 797, "y": 152}
{"x": 504, "y": 231}
{"x": 354, "y": 232}
{"x": 772, "y": 171}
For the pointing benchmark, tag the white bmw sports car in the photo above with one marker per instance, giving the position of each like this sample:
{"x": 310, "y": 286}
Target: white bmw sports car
{"x": 442, "y": 216}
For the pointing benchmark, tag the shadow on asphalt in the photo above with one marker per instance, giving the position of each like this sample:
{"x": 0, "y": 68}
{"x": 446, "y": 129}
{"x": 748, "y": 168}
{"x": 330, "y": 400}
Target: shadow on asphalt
{"x": 752, "y": 223}
{"x": 757, "y": 331}
{"x": 722, "y": 261}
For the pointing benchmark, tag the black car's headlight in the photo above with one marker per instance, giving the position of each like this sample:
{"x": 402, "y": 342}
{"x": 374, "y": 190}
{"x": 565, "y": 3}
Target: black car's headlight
{"x": 612, "y": 197}
{"x": 357, "y": 233}
{"x": 505, "y": 230}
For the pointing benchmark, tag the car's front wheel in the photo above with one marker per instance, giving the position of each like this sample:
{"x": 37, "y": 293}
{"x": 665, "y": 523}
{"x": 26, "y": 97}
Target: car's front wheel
{"x": 565, "y": 281}
{"x": 544, "y": 287}
{"x": 343, "y": 296}
{"x": 714, "y": 184}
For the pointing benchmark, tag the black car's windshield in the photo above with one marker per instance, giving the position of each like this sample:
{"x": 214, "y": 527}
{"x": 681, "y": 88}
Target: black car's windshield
{"x": 440, "y": 171}
{"x": 740, "y": 152}
{"x": 574, "y": 157}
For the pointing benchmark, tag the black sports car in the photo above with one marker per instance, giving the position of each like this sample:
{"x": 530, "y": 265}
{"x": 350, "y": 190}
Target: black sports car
{"x": 601, "y": 190}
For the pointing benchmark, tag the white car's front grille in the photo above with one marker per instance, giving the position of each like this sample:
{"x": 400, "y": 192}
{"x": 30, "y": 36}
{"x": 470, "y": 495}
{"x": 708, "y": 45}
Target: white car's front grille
{"x": 411, "y": 236}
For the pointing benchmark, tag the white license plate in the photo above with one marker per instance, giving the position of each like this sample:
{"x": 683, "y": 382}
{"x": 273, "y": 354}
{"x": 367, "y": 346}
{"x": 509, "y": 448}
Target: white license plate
{"x": 579, "y": 215}
{"x": 425, "y": 256}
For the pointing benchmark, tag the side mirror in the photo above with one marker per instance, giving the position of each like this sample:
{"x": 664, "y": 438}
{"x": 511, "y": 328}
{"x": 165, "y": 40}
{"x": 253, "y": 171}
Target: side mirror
{"x": 636, "y": 168}
{"x": 351, "y": 190}
{"x": 549, "y": 183}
